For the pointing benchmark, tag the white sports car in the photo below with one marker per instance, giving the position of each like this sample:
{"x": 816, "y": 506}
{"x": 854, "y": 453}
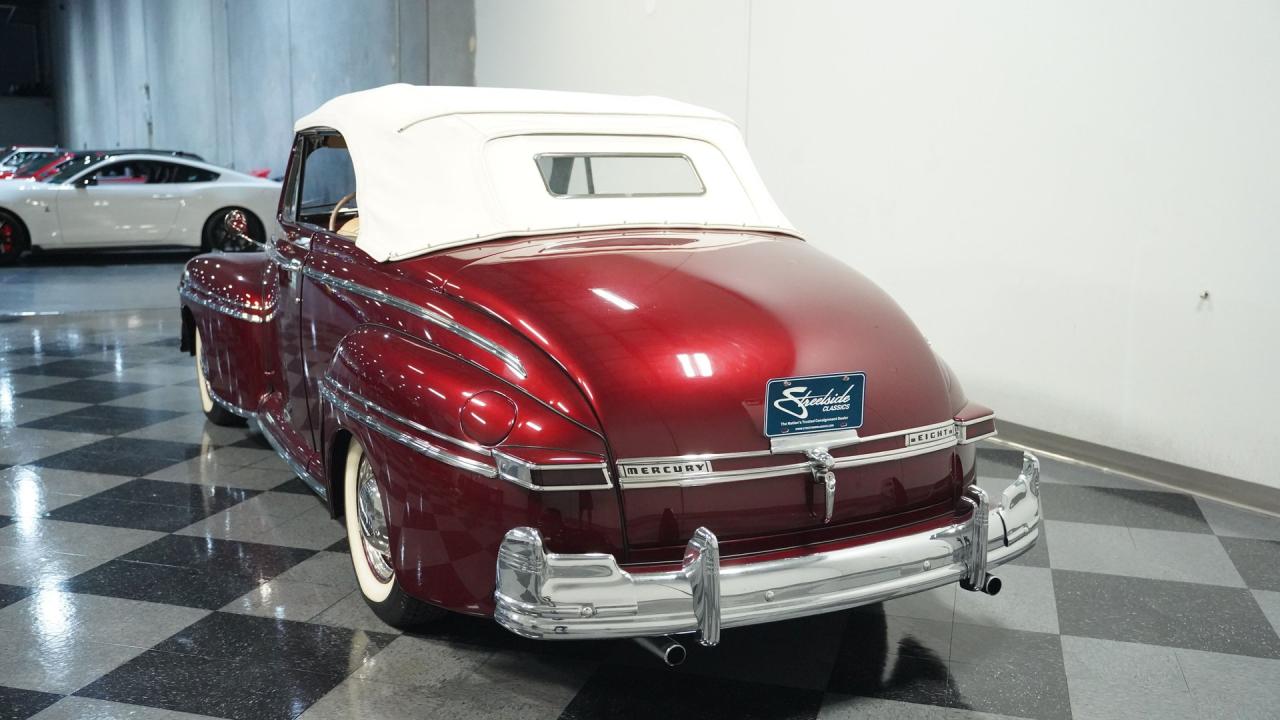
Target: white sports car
{"x": 132, "y": 200}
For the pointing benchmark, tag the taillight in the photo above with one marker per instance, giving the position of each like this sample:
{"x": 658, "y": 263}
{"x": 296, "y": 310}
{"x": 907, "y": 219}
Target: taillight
{"x": 974, "y": 423}
{"x": 542, "y": 469}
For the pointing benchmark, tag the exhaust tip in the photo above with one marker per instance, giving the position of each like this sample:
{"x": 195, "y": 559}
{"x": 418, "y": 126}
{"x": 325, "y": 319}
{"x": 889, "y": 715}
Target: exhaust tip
{"x": 993, "y": 586}
{"x": 676, "y": 655}
{"x": 671, "y": 652}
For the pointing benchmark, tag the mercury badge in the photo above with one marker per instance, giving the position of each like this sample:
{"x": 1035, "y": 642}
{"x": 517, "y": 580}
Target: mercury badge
{"x": 823, "y": 467}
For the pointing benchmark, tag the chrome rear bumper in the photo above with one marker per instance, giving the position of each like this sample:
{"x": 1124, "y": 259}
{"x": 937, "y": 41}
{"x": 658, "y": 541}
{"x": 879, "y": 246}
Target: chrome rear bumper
{"x": 549, "y": 596}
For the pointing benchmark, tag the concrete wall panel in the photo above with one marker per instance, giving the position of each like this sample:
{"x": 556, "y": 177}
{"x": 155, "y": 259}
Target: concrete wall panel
{"x": 227, "y": 78}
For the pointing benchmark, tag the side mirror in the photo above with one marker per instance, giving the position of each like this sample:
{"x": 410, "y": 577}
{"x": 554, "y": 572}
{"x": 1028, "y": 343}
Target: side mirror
{"x": 237, "y": 227}
{"x": 88, "y": 180}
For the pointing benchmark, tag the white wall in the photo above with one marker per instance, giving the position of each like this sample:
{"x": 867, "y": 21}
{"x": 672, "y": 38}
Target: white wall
{"x": 1046, "y": 187}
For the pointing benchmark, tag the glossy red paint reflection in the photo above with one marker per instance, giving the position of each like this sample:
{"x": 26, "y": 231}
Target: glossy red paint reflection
{"x": 636, "y": 345}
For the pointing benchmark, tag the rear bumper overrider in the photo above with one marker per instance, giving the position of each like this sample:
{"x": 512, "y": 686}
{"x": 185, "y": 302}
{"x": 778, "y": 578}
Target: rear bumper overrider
{"x": 546, "y": 595}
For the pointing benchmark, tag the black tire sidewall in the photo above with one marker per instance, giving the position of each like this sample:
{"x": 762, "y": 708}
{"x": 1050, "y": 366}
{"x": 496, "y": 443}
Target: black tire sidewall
{"x": 21, "y": 241}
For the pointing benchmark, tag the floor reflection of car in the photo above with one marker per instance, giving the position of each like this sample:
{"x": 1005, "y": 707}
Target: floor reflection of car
{"x": 95, "y": 200}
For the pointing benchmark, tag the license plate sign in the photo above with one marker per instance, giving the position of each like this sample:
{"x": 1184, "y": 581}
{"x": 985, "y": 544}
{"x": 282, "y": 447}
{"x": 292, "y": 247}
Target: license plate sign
{"x": 815, "y": 403}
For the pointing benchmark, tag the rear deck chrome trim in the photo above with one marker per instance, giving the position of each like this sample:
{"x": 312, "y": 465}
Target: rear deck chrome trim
{"x": 841, "y": 438}
{"x": 507, "y": 357}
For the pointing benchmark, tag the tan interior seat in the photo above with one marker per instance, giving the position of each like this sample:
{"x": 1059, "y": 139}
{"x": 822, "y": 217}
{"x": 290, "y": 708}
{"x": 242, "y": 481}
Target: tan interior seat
{"x": 351, "y": 228}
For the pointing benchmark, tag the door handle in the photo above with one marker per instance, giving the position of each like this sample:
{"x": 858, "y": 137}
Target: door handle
{"x": 161, "y": 196}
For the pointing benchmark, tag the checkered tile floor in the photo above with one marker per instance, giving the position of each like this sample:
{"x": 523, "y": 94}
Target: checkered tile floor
{"x": 152, "y": 565}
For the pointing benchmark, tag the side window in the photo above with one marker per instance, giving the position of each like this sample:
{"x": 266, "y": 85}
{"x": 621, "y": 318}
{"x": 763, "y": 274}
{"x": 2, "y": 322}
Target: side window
{"x": 327, "y": 178}
{"x": 167, "y": 172}
{"x": 121, "y": 173}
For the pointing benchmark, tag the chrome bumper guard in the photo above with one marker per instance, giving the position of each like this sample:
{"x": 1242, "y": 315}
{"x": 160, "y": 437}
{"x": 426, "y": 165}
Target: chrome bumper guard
{"x": 551, "y": 596}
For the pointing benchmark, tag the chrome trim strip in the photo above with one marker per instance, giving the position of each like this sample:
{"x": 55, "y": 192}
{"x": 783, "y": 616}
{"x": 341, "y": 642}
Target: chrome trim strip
{"x": 790, "y": 468}
{"x": 432, "y": 451}
{"x": 264, "y": 421}
{"x": 285, "y": 263}
{"x": 239, "y": 311}
{"x": 370, "y": 405}
{"x": 840, "y": 442}
{"x": 506, "y": 356}
{"x": 803, "y": 443}
{"x": 975, "y": 421}
{"x": 501, "y": 457}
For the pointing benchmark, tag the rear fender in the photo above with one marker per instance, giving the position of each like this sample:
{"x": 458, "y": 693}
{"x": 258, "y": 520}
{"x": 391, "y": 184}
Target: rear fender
{"x": 448, "y": 509}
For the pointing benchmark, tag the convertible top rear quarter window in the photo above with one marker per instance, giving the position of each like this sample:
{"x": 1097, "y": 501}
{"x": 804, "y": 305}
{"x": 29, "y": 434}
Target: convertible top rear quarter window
{"x": 618, "y": 175}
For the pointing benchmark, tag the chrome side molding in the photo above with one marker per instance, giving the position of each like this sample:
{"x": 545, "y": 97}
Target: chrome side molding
{"x": 508, "y": 358}
{"x": 435, "y": 452}
{"x": 248, "y": 312}
{"x": 503, "y": 467}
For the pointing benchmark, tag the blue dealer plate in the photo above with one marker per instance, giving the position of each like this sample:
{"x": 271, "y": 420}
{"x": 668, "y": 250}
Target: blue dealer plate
{"x": 814, "y": 403}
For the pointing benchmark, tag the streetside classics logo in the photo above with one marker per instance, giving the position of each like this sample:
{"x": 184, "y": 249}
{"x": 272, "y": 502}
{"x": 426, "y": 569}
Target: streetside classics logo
{"x": 666, "y": 469}
{"x": 814, "y": 403}
{"x": 796, "y": 401}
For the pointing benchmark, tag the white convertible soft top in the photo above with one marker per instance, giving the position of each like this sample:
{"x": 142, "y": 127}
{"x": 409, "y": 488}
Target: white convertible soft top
{"x": 444, "y": 166}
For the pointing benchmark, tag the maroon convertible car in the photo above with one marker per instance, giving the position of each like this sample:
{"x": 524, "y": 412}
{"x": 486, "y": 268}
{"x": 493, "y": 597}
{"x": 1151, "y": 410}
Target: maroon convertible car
{"x": 560, "y": 360}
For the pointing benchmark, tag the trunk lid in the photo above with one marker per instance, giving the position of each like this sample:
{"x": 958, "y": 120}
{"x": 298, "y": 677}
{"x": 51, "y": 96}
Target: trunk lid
{"x": 673, "y": 337}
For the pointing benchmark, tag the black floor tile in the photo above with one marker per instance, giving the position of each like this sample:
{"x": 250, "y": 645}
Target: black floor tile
{"x": 1258, "y": 561}
{"x": 1162, "y": 612}
{"x": 220, "y": 556}
{"x": 174, "y": 585}
{"x": 340, "y": 546}
{"x": 189, "y": 571}
{"x": 253, "y": 688}
{"x": 1009, "y": 672}
{"x": 122, "y": 456}
{"x": 103, "y": 419}
{"x": 16, "y": 704}
{"x": 894, "y": 658}
{"x": 152, "y": 505}
{"x": 295, "y": 486}
{"x": 1131, "y": 508}
{"x": 77, "y": 368}
{"x": 619, "y": 693}
{"x": 10, "y": 594}
{"x": 303, "y": 646}
{"x": 88, "y": 391}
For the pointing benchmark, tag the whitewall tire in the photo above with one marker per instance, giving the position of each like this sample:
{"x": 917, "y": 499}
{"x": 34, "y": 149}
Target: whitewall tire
{"x": 368, "y": 536}
{"x": 216, "y": 414}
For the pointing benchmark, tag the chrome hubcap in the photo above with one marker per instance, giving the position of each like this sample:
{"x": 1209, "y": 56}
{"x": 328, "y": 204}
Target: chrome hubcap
{"x": 373, "y": 523}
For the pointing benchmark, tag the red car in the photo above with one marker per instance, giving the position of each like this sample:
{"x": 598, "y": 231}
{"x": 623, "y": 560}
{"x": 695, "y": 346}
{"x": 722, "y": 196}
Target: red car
{"x": 19, "y": 157}
{"x": 566, "y": 364}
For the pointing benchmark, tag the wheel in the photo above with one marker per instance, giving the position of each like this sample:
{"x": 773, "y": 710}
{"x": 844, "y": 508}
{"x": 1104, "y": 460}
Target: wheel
{"x": 13, "y": 238}
{"x": 215, "y": 235}
{"x": 367, "y": 535}
{"x": 216, "y": 414}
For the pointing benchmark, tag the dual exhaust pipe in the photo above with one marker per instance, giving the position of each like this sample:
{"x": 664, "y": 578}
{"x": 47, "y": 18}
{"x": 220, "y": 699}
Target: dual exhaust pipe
{"x": 673, "y": 654}
{"x": 667, "y": 648}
